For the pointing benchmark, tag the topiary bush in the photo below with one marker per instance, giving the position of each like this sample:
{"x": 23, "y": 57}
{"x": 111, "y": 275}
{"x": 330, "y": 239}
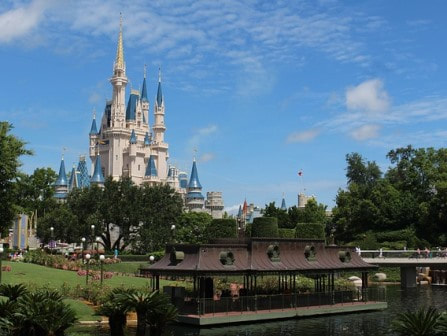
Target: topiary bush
{"x": 286, "y": 233}
{"x": 265, "y": 227}
{"x": 310, "y": 230}
{"x": 222, "y": 228}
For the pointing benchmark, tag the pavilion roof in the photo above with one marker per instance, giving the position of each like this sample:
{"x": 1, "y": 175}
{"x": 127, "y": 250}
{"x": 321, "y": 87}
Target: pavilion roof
{"x": 258, "y": 255}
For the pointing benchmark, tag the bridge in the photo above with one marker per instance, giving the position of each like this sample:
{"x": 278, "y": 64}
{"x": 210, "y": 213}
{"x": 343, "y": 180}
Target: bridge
{"x": 407, "y": 260}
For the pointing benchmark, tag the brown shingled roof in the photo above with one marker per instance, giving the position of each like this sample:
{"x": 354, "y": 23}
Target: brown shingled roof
{"x": 251, "y": 256}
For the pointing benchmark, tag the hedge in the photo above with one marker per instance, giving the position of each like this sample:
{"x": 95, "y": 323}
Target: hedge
{"x": 222, "y": 228}
{"x": 286, "y": 233}
{"x": 265, "y": 227}
{"x": 130, "y": 257}
{"x": 310, "y": 230}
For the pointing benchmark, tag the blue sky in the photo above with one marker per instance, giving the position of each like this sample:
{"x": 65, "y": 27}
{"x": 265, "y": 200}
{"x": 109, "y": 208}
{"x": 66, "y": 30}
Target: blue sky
{"x": 262, "y": 89}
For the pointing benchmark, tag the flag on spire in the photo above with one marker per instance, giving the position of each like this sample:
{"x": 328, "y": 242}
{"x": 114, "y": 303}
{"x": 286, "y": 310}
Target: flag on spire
{"x": 300, "y": 173}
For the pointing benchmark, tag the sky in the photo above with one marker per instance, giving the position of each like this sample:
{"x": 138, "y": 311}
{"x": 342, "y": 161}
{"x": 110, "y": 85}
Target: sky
{"x": 262, "y": 89}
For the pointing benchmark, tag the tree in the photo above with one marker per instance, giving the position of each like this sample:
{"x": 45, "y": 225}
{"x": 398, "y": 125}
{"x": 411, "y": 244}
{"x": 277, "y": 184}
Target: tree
{"x": 283, "y": 218}
{"x": 64, "y": 223}
{"x": 192, "y": 226}
{"x": 11, "y": 149}
{"x": 35, "y": 192}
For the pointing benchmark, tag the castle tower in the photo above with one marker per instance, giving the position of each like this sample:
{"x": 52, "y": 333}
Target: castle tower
{"x": 84, "y": 178}
{"x": 214, "y": 203}
{"x": 159, "y": 128}
{"x": 73, "y": 182}
{"x": 151, "y": 174}
{"x": 194, "y": 197}
{"x": 61, "y": 184}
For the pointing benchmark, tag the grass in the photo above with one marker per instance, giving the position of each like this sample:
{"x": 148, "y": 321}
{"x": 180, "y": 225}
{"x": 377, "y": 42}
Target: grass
{"x": 130, "y": 267}
{"x": 55, "y": 278}
{"x": 83, "y": 311}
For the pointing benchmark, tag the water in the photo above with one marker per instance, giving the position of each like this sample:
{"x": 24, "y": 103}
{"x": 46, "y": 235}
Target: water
{"x": 354, "y": 324}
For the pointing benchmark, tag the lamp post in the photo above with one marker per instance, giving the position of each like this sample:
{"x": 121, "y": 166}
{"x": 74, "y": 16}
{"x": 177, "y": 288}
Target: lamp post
{"x": 101, "y": 261}
{"x": 52, "y": 238}
{"x": 97, "y": 239}
{"x": 93, "y": 234}
{"x": 87, "y": 258}
{"x": 151, "y": 260}
{"x": 82, "y": 247}
{"x": 173, "y": 233}
{"x": 1, "y": 256}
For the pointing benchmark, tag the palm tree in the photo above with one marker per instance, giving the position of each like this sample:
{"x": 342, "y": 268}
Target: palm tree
{"x": 12, "y": 292}
{"x": 142, "y": 303}
{"x": 161, "y": 316}
{"x": 42, "y": 313}
{"x": 424, "y": 322}
{"x": 115, "y": 310}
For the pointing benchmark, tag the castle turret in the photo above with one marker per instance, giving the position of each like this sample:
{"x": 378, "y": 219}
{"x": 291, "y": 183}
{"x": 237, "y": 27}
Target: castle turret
{"x": 119, "y": 82}
{"x": 73, "y": 182}
{"x": 151, "y": 174}
{"x": 283, "y": 204}
{"x": 194, "y": 197}
{"x": 61, "y": 184}
{"x": 84, "y": 178}
{"x": 98, "y": 176}
{"x": 144, "y": 100}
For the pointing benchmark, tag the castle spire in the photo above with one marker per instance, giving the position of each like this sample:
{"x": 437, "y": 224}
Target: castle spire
{"x": 97, "y": 177}
{"x": 194, "y": 182}
{"x": 144, "y": 90}
{"x": 159, "y": 93}
{"x": 93, "y": 129}
{"x": 283, "y": 203}
{"x": 62, "y": 177}
{"x": 119, "y": 60}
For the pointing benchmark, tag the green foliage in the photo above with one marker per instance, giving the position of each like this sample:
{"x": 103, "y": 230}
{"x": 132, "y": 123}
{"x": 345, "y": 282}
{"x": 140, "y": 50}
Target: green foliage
{"x": 11, "y": 149}
{"x": 142, "y": 215}
{"x": 222, "y": 228}
{"x": 281, "y": 215}
{"x": 192, "y": 227}
{"x": 265, "y": 227}
{"x": 423, "y": 322}
{"x": 286, "y": 233}
{"x": 310, "y": 230}
{"x": 38, "y": 313}
{"x": 12, "y": 292}
{"x": 410, "y": 196}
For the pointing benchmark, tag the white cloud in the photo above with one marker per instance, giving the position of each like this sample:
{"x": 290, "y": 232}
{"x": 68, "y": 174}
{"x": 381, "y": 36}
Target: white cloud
{"x": 207, "y": 130}
{"x": 303, "y": 136}
{"x": 369, "y": 96}
{"x": 205, "y": 157}
{"x": 233, "y": 209}
{"x": 20, "y": 21}
{"x": 195, "y": 141}
{"x": 365, "y": 132}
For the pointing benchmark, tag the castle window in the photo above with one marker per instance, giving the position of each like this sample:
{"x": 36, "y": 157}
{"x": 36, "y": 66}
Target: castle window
{"x": 138, "y": 167}
{"x": 116, "y": 157}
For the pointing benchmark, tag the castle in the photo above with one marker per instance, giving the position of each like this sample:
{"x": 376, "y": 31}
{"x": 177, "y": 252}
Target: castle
{"x": 125, "y": 145}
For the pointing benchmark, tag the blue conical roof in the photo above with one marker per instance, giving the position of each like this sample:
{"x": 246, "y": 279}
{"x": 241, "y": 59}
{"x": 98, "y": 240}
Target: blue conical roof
{"x": 159, "y": 93}
{"x": 194, "y": 179}
{"x": 131, "y": 110}
{"x": 133, "y": 137}
{"x": 97, "y": 176}
{"x": 144, "y": 91}
{"x": 93, "y": 129}
{"x": 239, "y": 213}
{"x": 84, "y": 179}
{"x": 73, "y": 183}
{"x": 283, "y": 204}
{"x": 151, "y": 170}
{"x": 147, "y": 141}
{"x": 62, "y": 177}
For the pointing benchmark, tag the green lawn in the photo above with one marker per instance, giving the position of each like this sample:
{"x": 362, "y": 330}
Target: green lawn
{"x": 55, "y": 278}
{"x": 83, "y": 311}
{"x": 124, "y": 267}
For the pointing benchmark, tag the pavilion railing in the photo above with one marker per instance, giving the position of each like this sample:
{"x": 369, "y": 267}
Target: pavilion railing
{"x": 279, "y": 302}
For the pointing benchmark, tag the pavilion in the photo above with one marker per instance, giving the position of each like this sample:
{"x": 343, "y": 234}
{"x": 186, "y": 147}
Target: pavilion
{"x": 252, "y": 259}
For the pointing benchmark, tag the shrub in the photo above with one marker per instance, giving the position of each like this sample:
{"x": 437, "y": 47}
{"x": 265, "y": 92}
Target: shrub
{"x": 286, "y": 233}
{"x": 310, "y": 230}
{"x": 222, "y": 228}
{"x": 265, "y": 227}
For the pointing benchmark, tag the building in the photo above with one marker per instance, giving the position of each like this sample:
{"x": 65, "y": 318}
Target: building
{"x": 126, "y": 144}
{"x": 303, "y": 199}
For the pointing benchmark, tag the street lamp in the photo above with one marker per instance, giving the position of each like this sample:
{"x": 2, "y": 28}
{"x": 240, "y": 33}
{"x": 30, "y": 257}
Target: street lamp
{"x": 52, "y": 239}
{"x": 101, "y": 261}
{"x": 93, "y": 234}
{"x": 151, "y": 260}
{"x": 87, "y": 258}
{"x": 1, "y": 256}
{"x": 97, "y": 245}
{"x": 173, "y": 233}
{"x": 82, "y": 247}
